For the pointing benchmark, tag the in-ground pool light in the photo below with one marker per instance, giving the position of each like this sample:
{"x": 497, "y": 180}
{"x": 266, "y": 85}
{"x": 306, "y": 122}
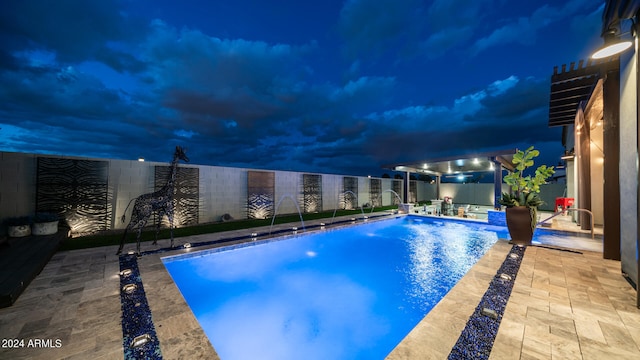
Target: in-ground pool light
{"x": 139, "y": 341}
{"x": 126, "y": 272}
{"x": 489, "y": 313}
{"x": 129, "y": 288}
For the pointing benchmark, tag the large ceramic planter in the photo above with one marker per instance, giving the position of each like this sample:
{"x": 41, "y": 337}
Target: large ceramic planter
{"x": 45, "y": 228}
{"x": 19, "y": 230}
{"x": 519, "y": 224}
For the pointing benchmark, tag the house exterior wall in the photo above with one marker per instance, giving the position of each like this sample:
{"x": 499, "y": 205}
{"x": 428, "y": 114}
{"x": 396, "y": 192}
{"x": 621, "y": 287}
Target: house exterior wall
{"x": 629, "y": 165}
{"x": 597, "y": 173}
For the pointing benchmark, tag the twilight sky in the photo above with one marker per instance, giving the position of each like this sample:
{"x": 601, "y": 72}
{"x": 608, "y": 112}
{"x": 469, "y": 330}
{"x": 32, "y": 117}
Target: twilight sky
{"x": 325, "y": 86}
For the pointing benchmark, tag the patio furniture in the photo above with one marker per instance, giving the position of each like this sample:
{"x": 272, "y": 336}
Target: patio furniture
{"x": 463, "y": 210}
{"x": 562, "y": 203}
{"x": 21, "y": 260}
{"x": 432, "y": 210}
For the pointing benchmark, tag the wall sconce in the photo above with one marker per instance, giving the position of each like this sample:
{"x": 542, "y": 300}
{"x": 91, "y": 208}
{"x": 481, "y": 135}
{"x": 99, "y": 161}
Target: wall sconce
{"x": 614, "y": 44}
{"x": 568, "y": 155}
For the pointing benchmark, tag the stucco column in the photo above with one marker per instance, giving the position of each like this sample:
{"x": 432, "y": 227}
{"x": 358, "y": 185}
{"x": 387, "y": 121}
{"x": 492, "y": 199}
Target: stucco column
{"x": 405, "y": 191}
{"x": 637, "y": 57}
{"x": 497, "y": 183}
{"x": 611, "y": 139}
{"x": 583, "y": 163}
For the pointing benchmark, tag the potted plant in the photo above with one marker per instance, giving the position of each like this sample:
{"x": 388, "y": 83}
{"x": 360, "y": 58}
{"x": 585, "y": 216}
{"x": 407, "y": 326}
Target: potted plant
{"x": 45, "y": 224}
{"x": 18, "y": 226}
{"x": 523, "y": 201}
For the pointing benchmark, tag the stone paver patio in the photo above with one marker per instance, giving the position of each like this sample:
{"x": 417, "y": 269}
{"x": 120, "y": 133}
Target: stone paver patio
{"x": 564, "y": 305}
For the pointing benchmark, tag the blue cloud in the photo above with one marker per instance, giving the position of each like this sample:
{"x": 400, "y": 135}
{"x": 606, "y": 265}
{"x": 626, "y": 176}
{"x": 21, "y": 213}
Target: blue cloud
{"x": 118, "y": 82}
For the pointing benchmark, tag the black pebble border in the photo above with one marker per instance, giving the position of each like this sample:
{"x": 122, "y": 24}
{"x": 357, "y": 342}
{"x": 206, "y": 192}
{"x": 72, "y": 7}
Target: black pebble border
{"x": 476, "y": 340}
{"x": 136, "y": 315}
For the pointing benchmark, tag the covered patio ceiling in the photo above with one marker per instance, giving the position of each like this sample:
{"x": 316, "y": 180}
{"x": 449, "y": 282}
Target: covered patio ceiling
{"x": 458, "y": 165}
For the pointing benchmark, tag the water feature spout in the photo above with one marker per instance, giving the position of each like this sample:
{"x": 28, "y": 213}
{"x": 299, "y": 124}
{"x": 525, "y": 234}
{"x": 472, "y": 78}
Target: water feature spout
{"x": 276, "y": 211}
{"x": 336, "y": 208}
{"x": 380, "y": 196}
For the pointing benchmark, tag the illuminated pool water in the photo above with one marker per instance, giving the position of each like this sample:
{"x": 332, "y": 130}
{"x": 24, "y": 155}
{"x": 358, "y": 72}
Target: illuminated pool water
{"x": 352, "y": 293}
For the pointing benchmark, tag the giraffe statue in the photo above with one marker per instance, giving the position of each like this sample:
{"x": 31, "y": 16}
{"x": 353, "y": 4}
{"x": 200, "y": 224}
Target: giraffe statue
{"x": 159, "y": 202}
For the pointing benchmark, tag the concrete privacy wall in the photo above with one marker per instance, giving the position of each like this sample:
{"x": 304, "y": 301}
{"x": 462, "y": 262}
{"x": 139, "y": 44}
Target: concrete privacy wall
{"x": 17, "y": 184}
{"x": 480, "y": 194}
{"x": 222, "y": 190}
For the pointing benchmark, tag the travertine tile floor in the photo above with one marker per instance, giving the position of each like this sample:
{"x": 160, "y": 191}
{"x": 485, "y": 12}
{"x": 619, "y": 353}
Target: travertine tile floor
{"x": 569, "y": 306}
{"x": 564, "y": 305}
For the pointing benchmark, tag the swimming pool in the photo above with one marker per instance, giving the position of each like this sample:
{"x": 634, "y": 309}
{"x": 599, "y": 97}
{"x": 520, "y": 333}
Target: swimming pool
{"x": 352, "y": 293}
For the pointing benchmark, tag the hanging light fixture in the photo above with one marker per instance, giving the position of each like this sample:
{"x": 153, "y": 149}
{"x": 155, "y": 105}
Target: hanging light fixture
{"x": 614, "y": 44}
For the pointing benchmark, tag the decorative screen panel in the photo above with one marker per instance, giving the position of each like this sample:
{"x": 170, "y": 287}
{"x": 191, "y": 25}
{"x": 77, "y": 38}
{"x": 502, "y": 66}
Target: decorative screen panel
{"x": 261, "y": 194}
{"x": 413, "y": 191}
{"x": 311, "y": 193}
{"x": 375, "y": 192}
{"x": 349, "y": 198}
{"x": 186, "y": 194}
{"x": 396, "y": 186}
{"x": 77, "y": 190}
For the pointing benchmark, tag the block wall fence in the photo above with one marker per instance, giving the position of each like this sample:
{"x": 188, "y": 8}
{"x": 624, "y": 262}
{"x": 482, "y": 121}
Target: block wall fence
{"x": 220, "y": 190}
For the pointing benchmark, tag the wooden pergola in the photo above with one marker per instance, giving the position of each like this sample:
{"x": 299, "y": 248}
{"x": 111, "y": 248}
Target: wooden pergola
{"x": 596, "y": 86}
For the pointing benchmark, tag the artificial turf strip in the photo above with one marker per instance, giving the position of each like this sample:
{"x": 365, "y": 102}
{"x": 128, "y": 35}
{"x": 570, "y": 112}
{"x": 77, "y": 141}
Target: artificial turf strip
{"x": 252, "y": 237}
{"x": 91, "y": 241}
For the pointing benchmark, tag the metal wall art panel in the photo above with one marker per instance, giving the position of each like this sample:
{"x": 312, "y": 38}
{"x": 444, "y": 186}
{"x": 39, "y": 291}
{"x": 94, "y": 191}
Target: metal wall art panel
{"x": 375, "y": 192}
{"x": 349, "y": 198}
{"x": 413, "y": 191}
{"x": 396, "y": 186}
{"x": 260, "y": 194}
{"x": 311, "y": 193}
{"x": 186, "y": 196}
{"x": 77, "y": 190}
